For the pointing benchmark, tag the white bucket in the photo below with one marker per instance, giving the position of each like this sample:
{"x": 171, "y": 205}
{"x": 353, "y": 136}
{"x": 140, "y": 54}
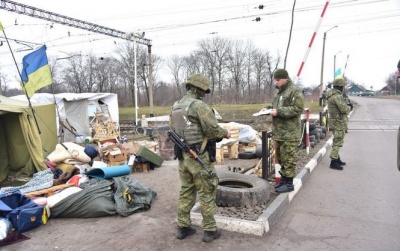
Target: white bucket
{"x": 80, "y": 139}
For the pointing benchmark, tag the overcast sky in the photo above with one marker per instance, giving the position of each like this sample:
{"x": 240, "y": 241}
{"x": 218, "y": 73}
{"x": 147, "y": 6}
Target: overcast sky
{"x": 368, "y": 32}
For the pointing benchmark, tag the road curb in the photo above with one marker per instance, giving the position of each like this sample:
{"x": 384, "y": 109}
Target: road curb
{"x": 271, "y": 214}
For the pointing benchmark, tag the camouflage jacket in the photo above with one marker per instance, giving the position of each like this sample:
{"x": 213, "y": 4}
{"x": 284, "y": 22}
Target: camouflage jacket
{"x": 201, "y": 114}
{"x": 289, "y": 103}
{"x": 337, "y": 109}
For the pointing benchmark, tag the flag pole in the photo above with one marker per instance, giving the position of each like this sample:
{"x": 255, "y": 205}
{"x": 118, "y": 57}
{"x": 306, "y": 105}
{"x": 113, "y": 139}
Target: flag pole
{"x": 19, "y": 74}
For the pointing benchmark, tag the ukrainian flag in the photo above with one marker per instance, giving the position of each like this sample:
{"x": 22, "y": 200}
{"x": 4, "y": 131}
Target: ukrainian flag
{"x": 338, "y": 73}
{"x": 36, "y": 72}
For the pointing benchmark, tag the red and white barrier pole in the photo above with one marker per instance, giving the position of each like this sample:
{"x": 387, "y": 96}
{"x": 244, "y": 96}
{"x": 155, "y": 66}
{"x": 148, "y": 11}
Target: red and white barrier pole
{"x": 277, "y": 167}
{"x": 307, "y": 130}
{"x": 345, "y": 66}
{"x": 311, "y": 42}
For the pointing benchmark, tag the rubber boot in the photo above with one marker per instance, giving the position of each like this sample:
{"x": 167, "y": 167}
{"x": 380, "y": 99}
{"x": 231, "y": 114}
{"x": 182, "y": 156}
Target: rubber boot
{"x": 283, "y": 180}
{"x": 287, "y": 187}
{"x": 183, "y": 232}
{"x": 335, "y": 164}
{"x": 209, "y": 236}
{"x": 341, "y": 162}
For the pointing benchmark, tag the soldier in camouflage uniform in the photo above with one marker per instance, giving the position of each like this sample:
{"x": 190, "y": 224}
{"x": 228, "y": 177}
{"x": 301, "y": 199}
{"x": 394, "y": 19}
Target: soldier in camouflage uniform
{"x": 194, "y": 121}
{"x": 287, "y": 107}
{"x": 338, "y": 109}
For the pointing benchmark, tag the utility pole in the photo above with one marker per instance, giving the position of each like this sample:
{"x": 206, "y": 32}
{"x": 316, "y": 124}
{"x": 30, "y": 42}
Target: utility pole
{"x": 323, "y": 57}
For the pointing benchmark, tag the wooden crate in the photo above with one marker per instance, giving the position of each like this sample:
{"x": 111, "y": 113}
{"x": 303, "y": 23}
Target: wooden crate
{"x": 232, "y": 148}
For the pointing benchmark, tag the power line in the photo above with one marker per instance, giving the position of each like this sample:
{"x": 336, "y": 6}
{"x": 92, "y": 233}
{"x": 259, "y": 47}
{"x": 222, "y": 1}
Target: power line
{"x": 61, "y": 19}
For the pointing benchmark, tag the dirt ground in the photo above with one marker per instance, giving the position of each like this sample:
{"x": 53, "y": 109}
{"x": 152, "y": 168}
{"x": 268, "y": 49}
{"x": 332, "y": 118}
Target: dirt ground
{"x": 150, "y": 230}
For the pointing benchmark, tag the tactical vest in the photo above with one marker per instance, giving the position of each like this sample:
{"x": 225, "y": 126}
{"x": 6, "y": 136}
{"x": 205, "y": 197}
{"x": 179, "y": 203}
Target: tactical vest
{"x": 180, "y": 123}
{"x": 333, "y": 109}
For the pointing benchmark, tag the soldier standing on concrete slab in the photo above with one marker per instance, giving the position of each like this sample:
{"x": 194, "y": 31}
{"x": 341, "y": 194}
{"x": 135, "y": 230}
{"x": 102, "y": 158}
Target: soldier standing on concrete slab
{"x": 338, "y": 110}
{"x": 194, "y": 121}
{"x": 287, "y": 107}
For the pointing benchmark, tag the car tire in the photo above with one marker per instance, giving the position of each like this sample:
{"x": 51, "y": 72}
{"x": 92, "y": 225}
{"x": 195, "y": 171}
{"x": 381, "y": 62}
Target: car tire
{"x": 240, "y": 190}
{"x": 311, "y": 126}
{"x": 247, "y": 155}
{"x": 323, "y": 128}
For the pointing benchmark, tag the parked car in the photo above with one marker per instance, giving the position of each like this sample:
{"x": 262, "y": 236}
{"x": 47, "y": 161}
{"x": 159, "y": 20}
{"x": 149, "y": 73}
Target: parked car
{"x": 366, "y": 94}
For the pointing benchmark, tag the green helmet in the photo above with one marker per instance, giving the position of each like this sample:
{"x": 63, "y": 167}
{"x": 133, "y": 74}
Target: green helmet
{"x": 199, "y": 81}
{"x": 338, "y": 82}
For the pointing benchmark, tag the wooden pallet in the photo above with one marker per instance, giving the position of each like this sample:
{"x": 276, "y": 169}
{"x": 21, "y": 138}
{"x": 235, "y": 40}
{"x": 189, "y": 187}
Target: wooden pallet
{"x": 48, "y": 191}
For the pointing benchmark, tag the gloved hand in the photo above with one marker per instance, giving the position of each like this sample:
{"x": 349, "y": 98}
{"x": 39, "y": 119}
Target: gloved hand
{"x": 351, "y": 106}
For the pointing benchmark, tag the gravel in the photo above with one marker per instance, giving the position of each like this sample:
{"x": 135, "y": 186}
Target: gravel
{"x": 252, "y": 213}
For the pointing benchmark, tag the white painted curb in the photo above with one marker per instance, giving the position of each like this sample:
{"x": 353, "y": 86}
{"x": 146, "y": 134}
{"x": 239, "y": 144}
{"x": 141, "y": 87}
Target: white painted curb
{"x": 271, "y": 214}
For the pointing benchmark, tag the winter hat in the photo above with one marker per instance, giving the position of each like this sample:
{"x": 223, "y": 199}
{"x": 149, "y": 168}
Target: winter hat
{"x": 280, "y": 74}
{"x": 91, "y": 152}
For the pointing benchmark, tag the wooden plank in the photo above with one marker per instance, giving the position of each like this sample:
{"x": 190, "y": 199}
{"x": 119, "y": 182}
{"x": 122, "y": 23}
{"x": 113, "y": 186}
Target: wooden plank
{"x": 48, "y": 191}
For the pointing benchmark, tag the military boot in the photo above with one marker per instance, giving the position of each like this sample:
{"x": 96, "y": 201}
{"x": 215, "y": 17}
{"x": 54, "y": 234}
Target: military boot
{"x": 341, "y": 162}
{"x": 335, "y": 164}
{"x": 287, "y": 187}
{"x": 183, "y": 232}
{"x": 209, "y": 236}
{"x": 283, "y": 179}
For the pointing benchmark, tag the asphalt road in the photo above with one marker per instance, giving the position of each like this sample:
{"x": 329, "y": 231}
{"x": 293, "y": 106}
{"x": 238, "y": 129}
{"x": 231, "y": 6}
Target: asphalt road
{"x": 353, "y": 209}
{"x": 357, "y": 208}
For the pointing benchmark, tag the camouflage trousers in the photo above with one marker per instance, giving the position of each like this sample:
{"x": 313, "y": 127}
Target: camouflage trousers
{"x": 286, "y": 153}
{"x": 338, "y": 139}
{"x": 196, "y": 181}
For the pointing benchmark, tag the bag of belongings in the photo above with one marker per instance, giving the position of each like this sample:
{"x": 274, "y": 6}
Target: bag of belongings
{"x": 23, "y": 213}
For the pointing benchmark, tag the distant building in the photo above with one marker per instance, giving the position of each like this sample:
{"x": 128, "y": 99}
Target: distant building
{"x": 385, "y": 91}
{"x": 355, "y": 90}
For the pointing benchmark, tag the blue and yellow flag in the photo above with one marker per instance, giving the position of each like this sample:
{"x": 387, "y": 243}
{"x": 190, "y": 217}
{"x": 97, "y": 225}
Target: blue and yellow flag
{"x": 36, "y": 72}
{"x": 338, "y": 73}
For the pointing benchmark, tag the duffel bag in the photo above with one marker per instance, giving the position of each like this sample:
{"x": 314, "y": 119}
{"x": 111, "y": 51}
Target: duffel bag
{"x": 23, "y": 213}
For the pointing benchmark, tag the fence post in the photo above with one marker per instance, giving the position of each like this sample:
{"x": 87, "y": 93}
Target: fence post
{"x": 264, "y": 148}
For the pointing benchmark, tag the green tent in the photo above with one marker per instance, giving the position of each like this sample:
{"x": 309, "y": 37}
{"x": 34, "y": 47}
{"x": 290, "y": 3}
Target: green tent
{"x": 22, "y": 147}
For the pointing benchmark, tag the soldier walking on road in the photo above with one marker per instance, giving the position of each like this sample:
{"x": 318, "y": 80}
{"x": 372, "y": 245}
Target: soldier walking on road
{"x": 287, "y": 107}
{"x": 338, "y": 110}
{"x": 194, "y": 121}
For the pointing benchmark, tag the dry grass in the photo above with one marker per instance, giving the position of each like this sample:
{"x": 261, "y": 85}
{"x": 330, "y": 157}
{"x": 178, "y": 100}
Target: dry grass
{"x": 227, "y": 111}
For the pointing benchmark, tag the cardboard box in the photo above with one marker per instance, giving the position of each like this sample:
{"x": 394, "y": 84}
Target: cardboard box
{"x": 118, "y": 155}
{"x": 113, "y": 153}
{"x": 130, "y": 148}
{"x": 141, "y": 167}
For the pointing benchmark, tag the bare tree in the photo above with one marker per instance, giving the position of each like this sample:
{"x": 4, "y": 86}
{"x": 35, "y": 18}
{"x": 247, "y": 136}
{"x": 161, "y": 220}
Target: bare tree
{"x": 393, "y": 83}
{"x": 272, "y": 65}
{"x": 215, "y": 52}
{"x": 235, "y": 66}
{"x": 175, "y": 65}
{"x": 260, "y": 70}
{"x": 3, "y": 83}
{"x": 78, "y": 75}
{"x": 248, "y": 71}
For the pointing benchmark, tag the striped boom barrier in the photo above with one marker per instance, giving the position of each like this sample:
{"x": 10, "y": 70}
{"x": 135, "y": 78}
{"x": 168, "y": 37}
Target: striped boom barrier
{"x": 307, "y": 130}
{"x": 311, "y": 42}
{"x": 345, "y": 64}
{"x": 277, "y": 166}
